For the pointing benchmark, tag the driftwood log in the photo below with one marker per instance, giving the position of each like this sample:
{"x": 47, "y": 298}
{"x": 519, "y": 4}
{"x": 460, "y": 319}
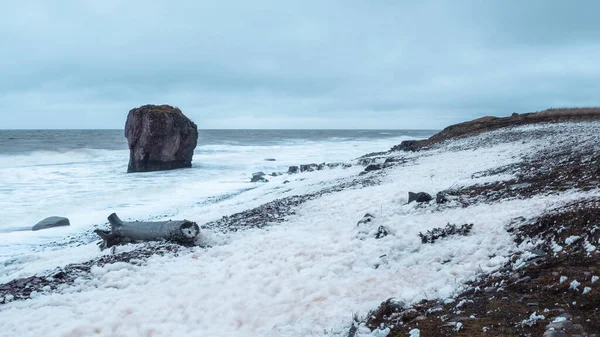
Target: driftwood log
{"x": 180, "y": 231}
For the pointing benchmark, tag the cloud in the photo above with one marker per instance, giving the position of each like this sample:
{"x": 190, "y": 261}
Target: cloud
{"x": 311, "y": 64}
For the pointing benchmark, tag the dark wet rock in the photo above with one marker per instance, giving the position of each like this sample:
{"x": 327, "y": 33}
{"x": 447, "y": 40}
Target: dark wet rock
{"x": 274, "y": 174}
{"x": 259, "y": 179}
{"x": 270, "y": 159}
{"x": 343, "y": 165}
{"x": 373, "y": 167}
{"x": 315, "y": 167}
{"x": 407, "y": 146}
{"x": 381, "y": 232}
{"x": 439, "y": 233}
{"x": 286, "y": 181}
{"x": 307, "y": 167}
{"x": 441, "y": 198}
{"x": 419, "y": 197}
{"x": 311, "y": 167}
{"x": 50, "y": 222}
{"x": 160, "y": 137}
{"x": 362, "y": 173}
{"x": 366, "y": 219}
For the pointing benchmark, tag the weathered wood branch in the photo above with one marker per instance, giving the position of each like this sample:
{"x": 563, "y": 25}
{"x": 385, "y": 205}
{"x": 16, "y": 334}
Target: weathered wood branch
{"x": 180, "y": 231}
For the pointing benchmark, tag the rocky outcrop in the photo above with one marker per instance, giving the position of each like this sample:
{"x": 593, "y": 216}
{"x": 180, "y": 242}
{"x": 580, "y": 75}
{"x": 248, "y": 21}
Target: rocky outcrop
{"x": 490, "y": 123}
{"x": 160, "y": 137}
{"x": 50, "y": 222}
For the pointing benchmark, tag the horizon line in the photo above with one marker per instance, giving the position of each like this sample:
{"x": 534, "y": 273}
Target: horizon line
{"x": 237, "y": 129}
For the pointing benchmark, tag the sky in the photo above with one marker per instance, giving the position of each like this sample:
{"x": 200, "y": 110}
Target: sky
{"x": 303, "y": 64}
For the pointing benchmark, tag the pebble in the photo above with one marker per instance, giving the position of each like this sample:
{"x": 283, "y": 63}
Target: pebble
{"x": 563, "y": 325}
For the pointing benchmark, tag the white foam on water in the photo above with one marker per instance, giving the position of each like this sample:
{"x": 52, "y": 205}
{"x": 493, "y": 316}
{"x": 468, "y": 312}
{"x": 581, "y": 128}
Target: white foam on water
{"x": 87, "y": 185}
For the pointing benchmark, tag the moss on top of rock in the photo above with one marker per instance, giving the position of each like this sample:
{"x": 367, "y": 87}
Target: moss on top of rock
{"x": 162, "y": 109}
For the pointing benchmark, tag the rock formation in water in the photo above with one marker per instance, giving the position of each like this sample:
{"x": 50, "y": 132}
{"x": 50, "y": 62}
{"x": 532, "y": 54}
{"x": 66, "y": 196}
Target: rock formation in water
{"x": 160, "y": 137}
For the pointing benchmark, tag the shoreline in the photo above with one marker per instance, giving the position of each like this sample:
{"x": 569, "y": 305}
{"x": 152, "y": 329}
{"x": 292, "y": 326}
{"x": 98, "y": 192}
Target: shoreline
{"x": 538, "y": 171}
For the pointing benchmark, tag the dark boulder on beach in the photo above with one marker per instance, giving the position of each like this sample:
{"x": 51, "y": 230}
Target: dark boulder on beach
{"x": 50, "y": 222}
{"x": 373, "y": 167}
{"x": 441, "y": 198}
{"x": 160, "y": 137}
{"x": 258, "y": 177}
{"x": 419, "y": 197}
{"x": 312, "y": 167}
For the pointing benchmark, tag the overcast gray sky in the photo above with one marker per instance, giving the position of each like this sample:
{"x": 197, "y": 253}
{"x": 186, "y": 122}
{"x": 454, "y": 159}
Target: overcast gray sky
{"x": 301, "y": 64}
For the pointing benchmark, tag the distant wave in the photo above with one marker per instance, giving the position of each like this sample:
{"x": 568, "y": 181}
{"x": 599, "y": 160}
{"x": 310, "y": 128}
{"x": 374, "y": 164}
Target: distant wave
{"x": 39, "y": 158}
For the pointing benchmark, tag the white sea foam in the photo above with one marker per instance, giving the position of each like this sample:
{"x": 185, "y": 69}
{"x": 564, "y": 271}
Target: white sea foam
{"x": 88, "y": 184}
{"x": 303, "y": 277}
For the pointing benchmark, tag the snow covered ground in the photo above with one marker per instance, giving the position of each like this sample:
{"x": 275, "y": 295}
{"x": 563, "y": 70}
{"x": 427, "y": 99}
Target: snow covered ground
{"x": 308, "y": 275}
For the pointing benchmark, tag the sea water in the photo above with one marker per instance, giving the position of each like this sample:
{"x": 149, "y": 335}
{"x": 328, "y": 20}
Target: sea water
{"x": 81, "y": 174}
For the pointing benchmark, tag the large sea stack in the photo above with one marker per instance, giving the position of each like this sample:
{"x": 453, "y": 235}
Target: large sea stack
{"x": 160, "y": 137}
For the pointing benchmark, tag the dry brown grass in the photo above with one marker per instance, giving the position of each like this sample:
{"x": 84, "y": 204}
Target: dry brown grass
{"x": 559, "y": 112}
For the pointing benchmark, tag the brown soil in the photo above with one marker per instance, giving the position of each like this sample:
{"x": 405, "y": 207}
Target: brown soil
{"x": 501, "y": 304}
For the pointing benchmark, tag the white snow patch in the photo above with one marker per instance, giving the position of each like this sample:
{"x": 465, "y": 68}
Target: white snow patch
{"x": 532, "y": 320}
{"x": 556, "y": 248}
{"x": 415, "y": 333}
{"x": 571, "y": 239}
{"x": 595, "y": 279}
{"x": 364, "y": 331}
{"x": 589, "y": 247}
{"x": 574, "y": 284}
{"x": 563, "y": 279}
{"x": 586, "y": 290}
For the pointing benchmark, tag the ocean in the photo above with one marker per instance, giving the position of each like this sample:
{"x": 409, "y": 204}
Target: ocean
{"x": 81, "y": 174}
